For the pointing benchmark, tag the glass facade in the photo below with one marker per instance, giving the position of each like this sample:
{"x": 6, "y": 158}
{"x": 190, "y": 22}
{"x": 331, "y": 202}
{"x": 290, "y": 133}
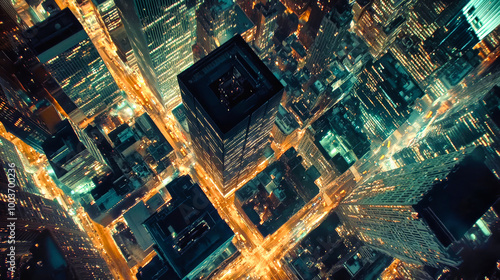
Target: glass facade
{"x": 35, "y": 217}
{"x": 416, "y": 212}
{"x": 25, "y": 128}
{"x": 75, "y": 63}
{"x": 482, "y": 16}
{"x": 162, "y": 34}
{"x": 74, "y": 158}
{"x": 10, "y": 155}
{"x": 230, "y": 127}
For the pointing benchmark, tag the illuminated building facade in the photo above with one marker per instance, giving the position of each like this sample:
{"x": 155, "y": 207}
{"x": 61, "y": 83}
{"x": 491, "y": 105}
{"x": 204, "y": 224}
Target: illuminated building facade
{"x": 37, "y": 217}
{"x": 338, "y": 140}
{"x": 74, "y": 62}
{"x": 162, "y": 35}
{"x": 378, "y": 22}
{"x": 219, "y": 21}
{"x": 231, "y": 101}
{"x": 285, "y": 132}
{"x": 313, "y": 157}
{"x": 332, "y": 30}
{"x": 113, "y": 22}
{"x": 25, "y": 127}
{"x": 412, "y": 45}
{"x": 385, "y": 91}
{"x": 11, "y": 26}
{"x": 33, "y": 12}
{"x": 490, "y": 42}
{"x": 109, "y": 14}
{"x": 463, "y": 126}
{"x": 74, "y": 158}
{"x": 66, "y": 51}
{"x": 10, "y": 155}
{"x": 266, "y": 19}
{"x": 189, "y": 234}
{"x": 482, "y": 15}
{"x": 418, "y": 212}
{"x": 427, "y": 35}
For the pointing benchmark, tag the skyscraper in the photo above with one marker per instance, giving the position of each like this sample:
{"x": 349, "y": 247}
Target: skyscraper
{"x": 11, "y": 26}
{"x": 412, "y": 47}
{"x": 189, "y": 234}
{"x": 418, "y": 212}
{"x": 231, "y": 101}
{"x": 468, "y": 124}
{"x": 338, "y": 140}
{"x": 162, "y": 35}
{"x": 114, "y": 25}
{"x": 331, "y": 32}
{"x": 66, "y": 51}
{"x": 69, "y": 252}
{"x": 74, "y": 158}
{"x": 378, "y": 22}
{"x": 109, "y": 13}
{"x": 25, "y": 127}
{"x": 10, "y": 155}
{"x": 217, "y": 22}
{"x": 385, "y": 92}
{"x": 427, "y": 35}
{"x": 482, "y": 16}
{"x": 266, "y": 19}
{"x": 33, "y": 12}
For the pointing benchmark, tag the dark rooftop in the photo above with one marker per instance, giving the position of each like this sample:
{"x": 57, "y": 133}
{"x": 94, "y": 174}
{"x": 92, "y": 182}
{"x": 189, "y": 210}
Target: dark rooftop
{"x": 54, "y": 30}
{"x": 62, "y": 146}
{"x": 452, "y": 206}
{"x": 47, "y": 260}
{"x": 230, "y": 83}
{"x": 156, "y": 270}
{"x": 190, "y": 229}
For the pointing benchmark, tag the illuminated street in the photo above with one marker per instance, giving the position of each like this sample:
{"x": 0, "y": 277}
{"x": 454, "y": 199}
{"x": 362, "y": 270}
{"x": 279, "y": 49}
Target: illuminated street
{"x": 260, "y": 258}
{"x": 367, "y": 93}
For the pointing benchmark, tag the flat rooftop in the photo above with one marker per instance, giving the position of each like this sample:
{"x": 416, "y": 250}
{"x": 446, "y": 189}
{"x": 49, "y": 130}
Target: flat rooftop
{"x": 189, "y": 230}
{"x": 55, "y": 30}
{"x": 230, "y": 83}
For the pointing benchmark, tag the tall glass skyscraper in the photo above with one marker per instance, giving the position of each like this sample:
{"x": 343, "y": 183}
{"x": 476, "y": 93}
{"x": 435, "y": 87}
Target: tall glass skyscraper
{"x": 482, "y": 16}
{"x": 419, "y": 212}
{"x": 385, "y": 92}
{"x": 65, "y": 49}
{"x": 74, "y": 158}
{"x": 217, "y": 22}
{"x": 333, "y": 28}
{"x": 10, "y": 155}
{"x": 162, "y": 34}
{"x": 49, "y": 241}
{"x": 231, "y": 101}
{"x": 24, "y": 126}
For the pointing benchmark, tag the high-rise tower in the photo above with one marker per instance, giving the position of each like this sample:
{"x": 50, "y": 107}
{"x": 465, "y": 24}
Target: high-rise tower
{"x": 231, "y": 101}
{"x": 66, "y": 51}
{"x": 266, "y": 19}
{"x": 217, "y": 22}
{"x": 10, "y": 155}
{"x": 333, "y": 28}
{"x": 162, "y": 34}
{"x": 29, "y": 130}
{"x": 74, "y": 158}
{"x": 57, "y": 245}
{"x": 189, "y": 234}
{"x": 418, "y": 212}
{"x": 385, "y": 92}
{"x": 482, "y": 16}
